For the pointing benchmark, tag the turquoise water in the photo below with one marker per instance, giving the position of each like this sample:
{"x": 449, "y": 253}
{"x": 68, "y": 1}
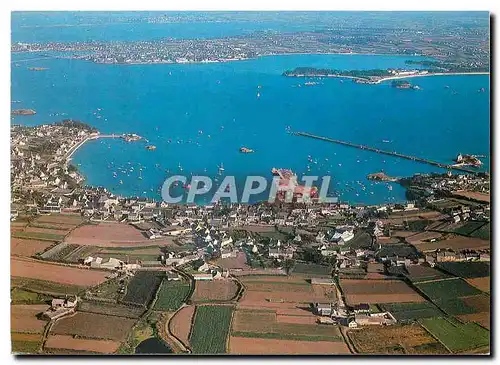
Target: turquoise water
{"x": 170, "y": 104}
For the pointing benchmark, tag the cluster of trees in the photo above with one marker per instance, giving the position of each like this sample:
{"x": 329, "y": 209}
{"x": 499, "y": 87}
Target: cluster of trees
{"x": 71, "y": 123}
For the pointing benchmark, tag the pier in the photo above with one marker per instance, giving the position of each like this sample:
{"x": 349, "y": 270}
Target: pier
{"x": 389, "y": 153}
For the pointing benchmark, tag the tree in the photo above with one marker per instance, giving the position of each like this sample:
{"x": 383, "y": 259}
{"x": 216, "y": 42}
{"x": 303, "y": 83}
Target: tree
{"x": 289, "y": 264}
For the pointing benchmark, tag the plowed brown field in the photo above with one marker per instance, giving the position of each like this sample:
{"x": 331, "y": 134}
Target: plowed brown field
{"x": 260, "y": 346}
{"x": 180, "y": 324}
{"x": 27, "y": 268}
{"x": 70, "y": 343}
{"x": 23, "y": 318}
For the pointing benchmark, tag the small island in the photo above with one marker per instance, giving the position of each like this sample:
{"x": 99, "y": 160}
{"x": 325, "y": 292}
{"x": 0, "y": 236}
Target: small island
{"x": 401, "y": 84}
{"x": 131, "y": 137}
{"x": 151, "y": 147}
{"x": 246, "y": 150}
{"x": 381, "y": 176}
{"x": 23, "y": 112}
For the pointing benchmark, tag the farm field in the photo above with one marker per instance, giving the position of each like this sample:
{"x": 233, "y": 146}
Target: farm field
{"x": 142, "y": 287}
{"x": 214, "y": 290}
{"x": 483, "y": 284}
{"x": 97, "y": 326}
{"x": 408, "y": 339}
{"x": 483, "y": 319}
{"x": 20, "y": 296}
{"x": 481, "y": 303}
{"x": 79, "y": 344}
{"x": 25, "y": 343}
{"x": 107, "y": 291}
{"x": 312, "y": 269}
{"x": 23, "y": 247}
{"x": 42, "y": 286}
{"x": 171, "y": 295}
{"x": 66, "y": 219}
{"x": 483, "y": 197}
{"x": 409, "y": 312}
{"x": 456, "y": 243}
{"x": 267, "y": 323}
{"x": 180, "y": 324}
{"x": 282, "y": 291}
{"x": 26, "y": 268}
{"x": 212, "y": 320}
{"x": 447, "y": 289}
{"x": 422, "y": 236}
{"x": 263, "y": 346}
{"x": 418, "y": 273}
{"x": 238, "y": 262}
{"x": 60, "y": 252}
{"x": 456, "y": 336}
{"x": 476, "y": 269}
{"x": 111, "y": 309}
{"x": 454, "y": 306}
{"x": 378, "y": 291}
{"x": 45, "y": 229}
{"x": 23, "y": 318}
{"x": 483, "y": 233}
{"x": 42, "y": 236}
{"x": 468, "y": 228}
{"x": 112, "y": 234}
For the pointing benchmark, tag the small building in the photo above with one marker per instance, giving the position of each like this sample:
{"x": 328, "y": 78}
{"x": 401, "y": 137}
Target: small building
{"x": 202, "y": 277}
{"x": 279, "y": 253}
{"x": 352, "y": 324}
{"x": 361, "y": 308}
{"x": 383, "y": 318}
{"x": 323, "y": 309}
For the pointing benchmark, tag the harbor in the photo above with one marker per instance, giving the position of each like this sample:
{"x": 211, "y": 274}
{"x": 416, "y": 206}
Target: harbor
{"x": 383, "y": 152}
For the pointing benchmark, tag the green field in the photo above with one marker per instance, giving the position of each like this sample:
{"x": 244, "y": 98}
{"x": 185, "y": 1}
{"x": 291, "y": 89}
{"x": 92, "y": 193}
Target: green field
{"x": 39, "y": 236}
{"x": 25, "y": 347}
{"x": 447, "y": 289}
{"x": 42, "y": 286}
{"x": 454, "y": 306}
{"x": 20, "y": 296}
{"x": 301, "y": 268}
{"x": 457, "y": 337}
{"x": 468, "y": 228}
{"x": 171, "y": 295}
{"x": 48, "y": 226}
{"x": 484, "y": 232}
{"x": 476, "y": 269}
{"x": 210, "y": 329}
{"x": 286, "y": 336}
{"x": 409, "y": 312}
{"x": 418, "y": 225}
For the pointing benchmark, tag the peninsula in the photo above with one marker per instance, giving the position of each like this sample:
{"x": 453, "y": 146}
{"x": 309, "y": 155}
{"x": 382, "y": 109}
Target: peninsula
{"x": 376, "y": 76}
{"x": 23, "y": 112}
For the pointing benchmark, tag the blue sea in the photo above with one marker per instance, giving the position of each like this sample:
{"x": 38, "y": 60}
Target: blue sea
{"x": 199, "y": 115}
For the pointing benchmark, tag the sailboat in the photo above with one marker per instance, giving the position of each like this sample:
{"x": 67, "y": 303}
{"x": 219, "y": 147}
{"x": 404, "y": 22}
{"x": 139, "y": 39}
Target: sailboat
{"x": 221, "y": 168}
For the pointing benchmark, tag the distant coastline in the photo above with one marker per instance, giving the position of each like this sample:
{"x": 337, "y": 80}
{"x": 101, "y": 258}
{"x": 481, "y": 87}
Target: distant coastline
{"x": 430, "y": 74}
